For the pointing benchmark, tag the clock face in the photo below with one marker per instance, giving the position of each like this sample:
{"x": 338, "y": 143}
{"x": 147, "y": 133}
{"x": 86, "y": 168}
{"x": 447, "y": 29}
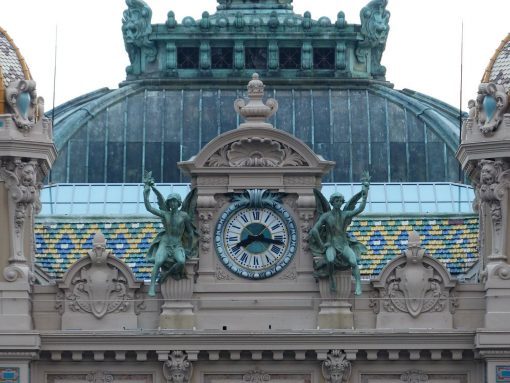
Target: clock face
{"x": 256, "y": 243}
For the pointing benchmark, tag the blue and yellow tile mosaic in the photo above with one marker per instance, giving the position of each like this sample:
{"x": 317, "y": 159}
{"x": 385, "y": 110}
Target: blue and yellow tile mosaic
{"x": 451, "y": 241}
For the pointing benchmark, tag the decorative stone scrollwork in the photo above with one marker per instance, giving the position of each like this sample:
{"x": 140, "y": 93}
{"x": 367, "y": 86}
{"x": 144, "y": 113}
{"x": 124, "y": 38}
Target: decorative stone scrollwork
{"x": 414, "y": 376}
{"x": 21, "y": 97}
{"x": 99, "y": 284}
{"x": 99, "y": 288}
{"x": 178, "y": 369}
{"x": 491, "y": 104}
{"x": 99, "y": 377}
{"x": 336, "y": 368}
{"x": 256, "y": 152}
{"x": 255, "y": 111}
{"x": 413, "y": 283}
{"x": 256, "y": 376}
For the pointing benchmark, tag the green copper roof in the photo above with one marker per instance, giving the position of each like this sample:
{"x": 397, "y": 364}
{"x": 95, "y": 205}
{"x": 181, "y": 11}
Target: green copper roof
{"x": 247, "y": 36}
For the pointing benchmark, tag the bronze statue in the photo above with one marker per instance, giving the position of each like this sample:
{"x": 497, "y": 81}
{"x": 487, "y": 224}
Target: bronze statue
{"x": 179, "y": 240}
{"x": 330, "y": 244}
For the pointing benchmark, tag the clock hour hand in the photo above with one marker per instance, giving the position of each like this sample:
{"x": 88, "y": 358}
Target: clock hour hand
{"x": 245, "y": 242}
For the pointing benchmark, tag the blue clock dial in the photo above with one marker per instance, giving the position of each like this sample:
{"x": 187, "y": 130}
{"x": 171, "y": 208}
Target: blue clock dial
{"x": 256, "y": 243}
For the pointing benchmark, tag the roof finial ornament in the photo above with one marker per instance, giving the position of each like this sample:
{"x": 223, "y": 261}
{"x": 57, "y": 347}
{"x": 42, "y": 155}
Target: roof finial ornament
{"x": 255, "y": 111}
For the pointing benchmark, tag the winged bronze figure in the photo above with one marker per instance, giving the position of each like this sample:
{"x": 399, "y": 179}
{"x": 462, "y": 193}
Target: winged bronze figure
{"x": 330, "y": 244}
{"x": 179, "y": 239}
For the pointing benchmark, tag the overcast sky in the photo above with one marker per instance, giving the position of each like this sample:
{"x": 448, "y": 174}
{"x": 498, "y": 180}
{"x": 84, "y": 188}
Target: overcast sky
{"x": 422, "y": 52}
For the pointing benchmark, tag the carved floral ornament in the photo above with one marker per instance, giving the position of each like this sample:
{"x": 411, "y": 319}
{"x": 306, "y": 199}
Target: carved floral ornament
{"x": 98, "y": 284}
{"x": 414, "y": 283}
{"x": 488, "y": 109}
{"x": 256, "y": 152}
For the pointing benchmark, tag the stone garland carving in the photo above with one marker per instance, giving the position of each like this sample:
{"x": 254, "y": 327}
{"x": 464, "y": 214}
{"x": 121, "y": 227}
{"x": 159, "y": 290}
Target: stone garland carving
{"x": 414, "y": 287}
{"x": 256, "y": 375}
{"x": 98, "y": 377}
{"x": 205, "y": 230}
{"x": 414, "y": 376}
{"x": 256, "y": 152}
{"x": 490, "y": 191}
{"x": 177, "y": 369}
{"x": 22, "y": 99}
{"x": 99, "y": 289}
{"x": 336, "y": 368}
{"x": 488, "y": 109}
{"x": 306, "y": 223}
{"x": 136, "y": 29}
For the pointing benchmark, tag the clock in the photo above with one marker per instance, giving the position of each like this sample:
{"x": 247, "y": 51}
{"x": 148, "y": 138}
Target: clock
{"x": 256, "y": 240}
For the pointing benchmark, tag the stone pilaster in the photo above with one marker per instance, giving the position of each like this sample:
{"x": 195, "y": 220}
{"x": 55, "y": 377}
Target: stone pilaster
{"x": 26, "y": 155}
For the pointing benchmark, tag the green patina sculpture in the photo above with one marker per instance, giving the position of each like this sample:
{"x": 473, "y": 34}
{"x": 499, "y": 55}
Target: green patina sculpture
{"x": 330, "y": 244}
{"x": 136, "y": 29}
{"x": 375, "y": 28}
{"x": 178, "y": 241}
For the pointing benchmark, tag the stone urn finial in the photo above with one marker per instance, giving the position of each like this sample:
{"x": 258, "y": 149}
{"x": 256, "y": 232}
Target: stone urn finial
{"x": 255, "y": 111}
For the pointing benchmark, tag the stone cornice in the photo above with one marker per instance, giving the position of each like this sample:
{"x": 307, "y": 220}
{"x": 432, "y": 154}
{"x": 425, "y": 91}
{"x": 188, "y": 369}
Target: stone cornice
{"x": 258, "y": 341}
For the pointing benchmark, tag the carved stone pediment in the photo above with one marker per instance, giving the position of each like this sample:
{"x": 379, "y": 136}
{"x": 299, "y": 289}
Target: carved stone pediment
{"x": 411, "y": 285}
{"x": 97, "y": 285}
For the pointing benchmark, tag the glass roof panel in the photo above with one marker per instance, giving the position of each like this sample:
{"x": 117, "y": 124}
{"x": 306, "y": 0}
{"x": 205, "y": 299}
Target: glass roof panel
{"x": 119, "y": 199}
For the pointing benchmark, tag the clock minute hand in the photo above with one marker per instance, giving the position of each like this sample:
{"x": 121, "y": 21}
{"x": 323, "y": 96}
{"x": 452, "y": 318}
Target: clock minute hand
{"x": 261, "y": 238}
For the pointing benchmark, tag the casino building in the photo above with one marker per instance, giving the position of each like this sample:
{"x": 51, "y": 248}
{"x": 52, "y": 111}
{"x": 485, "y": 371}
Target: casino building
{"x": 245, "y": 114}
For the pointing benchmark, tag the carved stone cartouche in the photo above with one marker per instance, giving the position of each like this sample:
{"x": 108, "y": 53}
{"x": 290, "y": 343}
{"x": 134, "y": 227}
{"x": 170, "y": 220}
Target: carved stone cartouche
{"x": 491, "y": 104}
{"x": 99, "y": 289}
{"x": 414, "y": 276}
{"x": 98, "y": 284}
{"x": 22, "y": 100}
{"x": 413, "y": 283}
